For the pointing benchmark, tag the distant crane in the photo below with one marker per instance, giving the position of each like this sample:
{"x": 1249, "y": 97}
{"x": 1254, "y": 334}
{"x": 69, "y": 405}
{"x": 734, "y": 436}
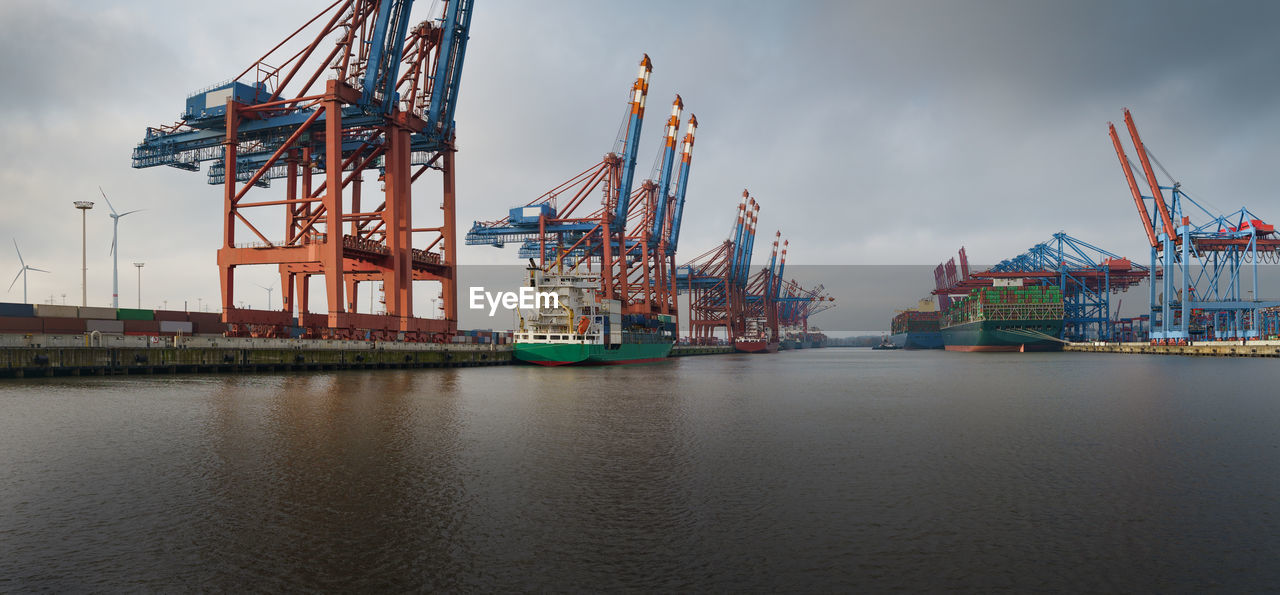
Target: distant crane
{"x": 22, "y": 272}
{"x": 115, "y": 253}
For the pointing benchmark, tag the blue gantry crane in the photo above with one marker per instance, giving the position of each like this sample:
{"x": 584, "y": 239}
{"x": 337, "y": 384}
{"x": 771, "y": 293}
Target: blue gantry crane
{"x": 1088, "y": 276}
{"x": 630, "y": 238}
{"x": 1203, "y": 263}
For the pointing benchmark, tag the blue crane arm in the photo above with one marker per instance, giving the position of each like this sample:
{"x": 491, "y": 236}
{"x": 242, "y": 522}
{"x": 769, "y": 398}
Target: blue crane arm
{"x": 745, "y": 264}
{"x": 773, "y": 262}
{"x": 679, "y": 210}
{"x": 738, "y": 245}
{"x": 782, "y": 266}
{"x": 498, "y": 234}
{"x": 664, "y": 180}
{"x": 631, "y": 145}
{"x": 445, "y": 81}
{"x": 379, "y": 90}
{"x": 686, "y": 162}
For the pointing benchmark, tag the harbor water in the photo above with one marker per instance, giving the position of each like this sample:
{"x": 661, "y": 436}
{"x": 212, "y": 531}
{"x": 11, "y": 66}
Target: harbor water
{"x": 829, "y": 469}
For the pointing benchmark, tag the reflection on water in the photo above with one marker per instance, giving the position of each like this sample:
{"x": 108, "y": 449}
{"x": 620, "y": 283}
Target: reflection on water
{"x": 829, "y": 469}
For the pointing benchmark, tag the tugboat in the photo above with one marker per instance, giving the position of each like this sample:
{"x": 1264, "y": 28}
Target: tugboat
{"x": 885, "y": 344}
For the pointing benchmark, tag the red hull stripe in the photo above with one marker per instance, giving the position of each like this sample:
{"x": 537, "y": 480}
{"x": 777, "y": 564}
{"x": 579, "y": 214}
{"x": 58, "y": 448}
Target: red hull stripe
{"x": 626, "y": 361}
{"x": 993, "y": 348}
{"x": 608, "y": 363}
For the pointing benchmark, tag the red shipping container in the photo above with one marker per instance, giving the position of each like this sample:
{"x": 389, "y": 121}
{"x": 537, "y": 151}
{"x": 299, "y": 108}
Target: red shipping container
{"x": 204, "y": 317}
{"x": 63, "y": 326}
{"x": 10, "y": 324}
{"x": 171, "y": 315}
{"x": 147, "y": 327}
{"x": 208, "y": 328}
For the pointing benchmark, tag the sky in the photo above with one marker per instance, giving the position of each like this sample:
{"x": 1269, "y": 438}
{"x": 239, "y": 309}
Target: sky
{"x": 873, "y": 133}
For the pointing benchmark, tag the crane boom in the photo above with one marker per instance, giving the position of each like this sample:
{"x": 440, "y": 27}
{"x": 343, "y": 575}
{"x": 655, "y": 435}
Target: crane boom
{"x": 664, "y": 180}
{"x": 1133, "y": 186}
{"x": 639, "y": 91}
{"x": 686, "y": 159}
{"x": 453, "y": 48}
{"x": 379, "y": 89}
{"x": 1165, "y": 218}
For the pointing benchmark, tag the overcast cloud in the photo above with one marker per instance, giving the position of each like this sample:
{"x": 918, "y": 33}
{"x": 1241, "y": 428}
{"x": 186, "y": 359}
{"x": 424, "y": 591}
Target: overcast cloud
{"x": 888, "y": 132}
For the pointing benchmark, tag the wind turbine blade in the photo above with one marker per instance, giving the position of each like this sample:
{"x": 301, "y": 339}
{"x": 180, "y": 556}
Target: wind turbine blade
{"x": 15, "y": 279}
{"x": 104, "y": 197}
{"x": 35, "y": 269}
{"x": 15, "y": 248}
{"x": 129, "y": 213}
{"x": 113, "y": 246}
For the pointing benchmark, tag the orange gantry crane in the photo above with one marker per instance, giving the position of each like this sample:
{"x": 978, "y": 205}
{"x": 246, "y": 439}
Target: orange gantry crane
{"x": 354, "y": 92}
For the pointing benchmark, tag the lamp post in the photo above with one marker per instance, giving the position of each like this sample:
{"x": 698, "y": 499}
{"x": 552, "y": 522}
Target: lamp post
{"x": 139, "y": 265}
{"x": 84, "y": 206}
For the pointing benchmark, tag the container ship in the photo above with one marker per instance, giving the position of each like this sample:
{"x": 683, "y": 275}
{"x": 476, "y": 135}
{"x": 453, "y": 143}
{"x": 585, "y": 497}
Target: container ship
{"x": 580, "y": 327}
{"x": 916, "y": 329}
{"x": 758, "y": 338}
{"x": 813, "y": 339}
{"x": 1008, "y": 318}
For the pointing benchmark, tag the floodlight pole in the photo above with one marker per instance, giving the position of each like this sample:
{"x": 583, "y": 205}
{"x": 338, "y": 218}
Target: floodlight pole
{"x": 84, "y": 206}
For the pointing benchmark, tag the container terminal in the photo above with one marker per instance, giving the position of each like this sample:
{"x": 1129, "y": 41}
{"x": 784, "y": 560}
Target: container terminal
{"x": 1202, "y": 279}
{"x": 373, "y": 96}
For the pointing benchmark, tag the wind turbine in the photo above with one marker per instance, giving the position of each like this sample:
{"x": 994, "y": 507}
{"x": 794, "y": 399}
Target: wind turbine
{"x": 115, "y": 261}
{"x": 23, "y": 272}
{"x": 269, "y": 290}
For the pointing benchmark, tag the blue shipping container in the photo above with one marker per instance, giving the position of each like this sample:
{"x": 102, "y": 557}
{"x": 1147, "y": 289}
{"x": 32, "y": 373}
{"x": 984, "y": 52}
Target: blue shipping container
{"x": 17, "y": 310}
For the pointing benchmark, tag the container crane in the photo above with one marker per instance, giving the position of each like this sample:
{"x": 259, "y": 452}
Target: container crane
{"x": 1202, "y": 265}
{"x": 630, "y": 239}
{"x": 716, "y": 290}
{"x": 387, "y": 105}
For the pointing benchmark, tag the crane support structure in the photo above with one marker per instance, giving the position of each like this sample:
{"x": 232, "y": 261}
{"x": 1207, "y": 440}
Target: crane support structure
{"x": 379, "y": 99}
{"x": 724, "y": 297}
{"x": 1201, "y": 257}
{"x": 1088, "y": 276}
{"x": 630, "y": 238}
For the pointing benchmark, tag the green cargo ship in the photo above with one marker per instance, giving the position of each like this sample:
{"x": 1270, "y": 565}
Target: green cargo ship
{"x": 572, "y": 324}
{"x": 1010, "y": 318}
{"x": 635, "y": 349}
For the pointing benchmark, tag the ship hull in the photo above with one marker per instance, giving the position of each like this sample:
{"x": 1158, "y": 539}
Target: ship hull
{"x": 1002, "y": 335}
{"x": 917, "y": 340}
{"x": 582, "y": 354}
{"x": 758, "y": 346}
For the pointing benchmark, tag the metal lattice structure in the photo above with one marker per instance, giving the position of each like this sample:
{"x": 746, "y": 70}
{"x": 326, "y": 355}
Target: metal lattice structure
{"x": 716, "y": 280}
{"x": 354, "y": 90}
{"x": 1203, "y": 258}
{"x": 1087, "y": 275}
{"x": 631, "y": 238}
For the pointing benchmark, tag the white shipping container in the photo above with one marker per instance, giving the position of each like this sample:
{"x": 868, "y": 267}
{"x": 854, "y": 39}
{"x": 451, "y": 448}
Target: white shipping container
{"x": 53, "y": 311}
{"x": 98, "y": 313}
{"x": 105, "y": 327}
{"x": 175, "y": 326}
